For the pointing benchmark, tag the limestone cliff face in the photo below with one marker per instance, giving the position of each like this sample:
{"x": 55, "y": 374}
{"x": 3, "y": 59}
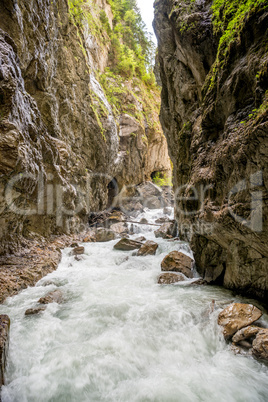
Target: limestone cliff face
{"x": 59, "y": 138}
{"x": 214, "y": 115}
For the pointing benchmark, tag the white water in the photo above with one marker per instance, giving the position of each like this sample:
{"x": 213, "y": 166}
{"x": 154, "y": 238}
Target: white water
{"x": 119, "y": 336}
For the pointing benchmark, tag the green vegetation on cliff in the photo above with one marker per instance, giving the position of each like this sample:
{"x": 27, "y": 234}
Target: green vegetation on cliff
{"x": 128, "y": 80}
{"x": 228, "y": 21}
{"x": 132, "y": 52}
{"x": 229, "y": 16}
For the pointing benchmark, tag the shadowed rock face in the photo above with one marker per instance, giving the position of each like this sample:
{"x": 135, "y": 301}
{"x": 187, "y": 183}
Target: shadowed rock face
{"x": 209, "y": 145}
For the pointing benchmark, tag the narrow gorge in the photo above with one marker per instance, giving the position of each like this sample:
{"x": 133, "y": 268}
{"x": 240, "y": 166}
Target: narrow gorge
{"x": 133, "y": 201}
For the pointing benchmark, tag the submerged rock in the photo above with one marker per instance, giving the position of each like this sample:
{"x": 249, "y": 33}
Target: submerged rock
{"x": 178, "y": 262}
{"x": 237, "y": 316}
{"x": 140, "y": 239}
{"x": 199, "y": 282}
{"x": 168, "y": 278}
{"x": 148, "y": 248}
{"x": 167, "y": 230}
{"x": 4, "y": 343}
{"x": 55, "y": 296}
{"x": 35, "y": 310}
{"x": 240, "y": 350}
{"x": 260, "y": 345}
{"x": 78, "y": 250}
{"x": 127, "y": 245}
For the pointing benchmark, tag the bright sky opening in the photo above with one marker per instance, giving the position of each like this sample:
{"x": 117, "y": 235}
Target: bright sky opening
{"x": 147, "y": 13}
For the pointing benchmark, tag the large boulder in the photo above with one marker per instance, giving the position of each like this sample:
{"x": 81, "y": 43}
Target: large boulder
{"x": 260, "y": 345}
{"x": 55, "y": 296}
{"x": 167, "y": 230}
{"x": 104, "y": 235}
{"x": 169, "y": 278}
{"x": 178, "y": 262}
{"x": 127, "y": 245}
{"x": 237, "y": 316}
{"x": 4, "y": 343}
{"x": 148, "y": 248}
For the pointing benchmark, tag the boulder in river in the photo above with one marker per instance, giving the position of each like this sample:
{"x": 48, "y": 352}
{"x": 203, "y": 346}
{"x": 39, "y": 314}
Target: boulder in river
{"x": 127, "y": 245}
{"x": 104, "y": 235}
{"x": 237, "y": 316}
{"x": 52, "y": 297}
{"x": 144, "y": 221}
{"x": 178, "y": 262}
{"x": 35, "y": 310}
{"x": 78, "y": 250}
{"x": 260, "y": 345}
{"x": 4, "y": 343}
{"x": 169, "y": 278}
{"x": 148, "y": 248}
{"x": 245, "y": 333}
{"x": 167, "y": 230}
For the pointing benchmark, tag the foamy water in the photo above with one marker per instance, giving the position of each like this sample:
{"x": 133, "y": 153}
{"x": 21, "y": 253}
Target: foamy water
{"x": 119, "y": 336}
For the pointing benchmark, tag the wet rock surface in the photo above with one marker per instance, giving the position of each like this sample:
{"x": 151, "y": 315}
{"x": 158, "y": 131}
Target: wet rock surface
{"x": 78, "y": 250}
{"x": 169, "y": 278}
{"x": 4, "y": 344}
{"x": 249, "y": 340}
{"x": 148, "y": 248}
{"x": 260, "y": 345}
{"x": 237, "y": 316}
{"x": 35, "y": 310}
{"x": 245, "y": 333}
{"x": 167, "y": 230}
{"x": 104, "y": 235}
{"x": 178, "y": 262}
{"x": 127, "y": 245}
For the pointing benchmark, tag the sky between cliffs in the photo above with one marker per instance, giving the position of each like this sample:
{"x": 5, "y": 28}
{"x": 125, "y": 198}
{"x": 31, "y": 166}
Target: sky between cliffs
{"x": 147, "y": 13}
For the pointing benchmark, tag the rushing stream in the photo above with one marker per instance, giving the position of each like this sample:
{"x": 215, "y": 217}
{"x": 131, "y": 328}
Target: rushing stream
{"x": 119, "y": 336}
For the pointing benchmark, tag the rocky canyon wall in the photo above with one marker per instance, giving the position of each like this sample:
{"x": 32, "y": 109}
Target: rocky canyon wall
{"x": 60, "y": 140}
{"x": 213, "y": 63}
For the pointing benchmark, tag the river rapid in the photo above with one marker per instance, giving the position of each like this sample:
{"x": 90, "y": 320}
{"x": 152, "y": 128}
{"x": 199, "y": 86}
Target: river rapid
{"x": 119, "y": 336}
